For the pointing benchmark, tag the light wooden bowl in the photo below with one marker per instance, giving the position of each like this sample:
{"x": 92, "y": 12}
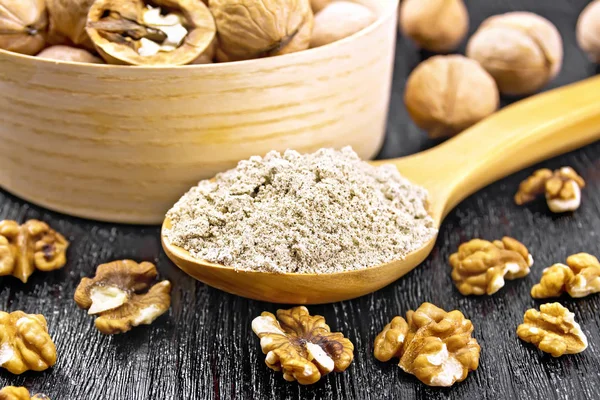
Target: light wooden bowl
{"x": 122, "y": 144}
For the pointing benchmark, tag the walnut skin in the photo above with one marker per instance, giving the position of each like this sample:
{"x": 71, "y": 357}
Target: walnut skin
{"x": 71, "y": 54}
{"x": 480, "y": 267}
{"x": 114, "y": 294}
{"x": 588, "y": 31}
{"x": 131, "y": 33}
{"x": 301, "y": 345}
{"x": 440, "y": 95}
{"x": 521, "y": 50}
{"x": 247, "y": 29}
{"x": 553, "y": 330}
{"x": 23, "y": 25}
{"x": 434, "y": 25}
{"x": 338, "y": 20}
{"x": 433, "y": 345}
{"x": 67, "y": 22}
{"x": 580, "y": 277}
{"x": 562, "y": 188}
{"x": 24, "y": 343}
{"x": 30, "y": 246}
{"x": 19, "y": 393}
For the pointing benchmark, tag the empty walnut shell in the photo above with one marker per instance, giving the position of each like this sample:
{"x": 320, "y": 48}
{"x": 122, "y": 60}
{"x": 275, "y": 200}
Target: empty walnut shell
{"x": 119, "y": 30}
{"x": 71, "y": 54}
{"x": 248, "y": 29}
{"x": 23, "y": 25}
{"x": 67, "y": 22}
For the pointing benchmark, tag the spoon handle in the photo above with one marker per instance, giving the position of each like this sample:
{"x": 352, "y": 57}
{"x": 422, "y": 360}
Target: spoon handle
{"x": 517, "y": 136}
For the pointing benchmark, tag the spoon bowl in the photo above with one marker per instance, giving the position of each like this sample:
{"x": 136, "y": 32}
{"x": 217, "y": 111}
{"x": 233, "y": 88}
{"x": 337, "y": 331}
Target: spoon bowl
{"x": 517, "y": 136}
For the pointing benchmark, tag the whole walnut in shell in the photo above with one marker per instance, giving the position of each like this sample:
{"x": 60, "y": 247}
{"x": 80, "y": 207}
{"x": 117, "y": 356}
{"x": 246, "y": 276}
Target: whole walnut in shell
{"x": 447, "y": 94}
{"x": 71, "y": 54}
{"x": 434, "y": 25}
{"x": 588, "y": 31}
{"x": 67, "y": 22}
{"x": 248, "y": 29}
{"x": 23, "y": 25}
{"x": 521, "y": 50}
{"x": 338, "y": 20}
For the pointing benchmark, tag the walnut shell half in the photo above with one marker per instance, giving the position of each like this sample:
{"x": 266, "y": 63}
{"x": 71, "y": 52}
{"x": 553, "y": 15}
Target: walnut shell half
{"x": 23, "y": 25}
{"x": 160, "y": 32}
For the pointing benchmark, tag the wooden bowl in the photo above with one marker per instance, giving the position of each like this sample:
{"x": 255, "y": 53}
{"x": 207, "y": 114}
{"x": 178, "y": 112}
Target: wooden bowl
{"x": 122, "y": 144}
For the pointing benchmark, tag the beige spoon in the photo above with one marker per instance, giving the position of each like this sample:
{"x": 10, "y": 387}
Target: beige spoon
{"x": 516, "y": 137}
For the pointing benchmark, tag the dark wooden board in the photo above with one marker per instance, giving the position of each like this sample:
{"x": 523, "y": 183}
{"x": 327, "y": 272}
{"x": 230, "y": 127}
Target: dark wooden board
{"x": 204, "y": 347}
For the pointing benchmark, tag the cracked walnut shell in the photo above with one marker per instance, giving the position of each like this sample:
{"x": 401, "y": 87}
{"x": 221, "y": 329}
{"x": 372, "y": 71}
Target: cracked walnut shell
{"x": 562, "y": 188}
{"x": 580, "y": 277}
{"x": 521, "y": 50}
{"x": 158, "y": 32}
{"x": 248, "y": 29}
{"x": 30, "y": 246}
{"x": 480, "y": 267}
{"x": 553, "y": 330}
{"x": 23, "y": 25}
{"x": 301, "y": 345}
{"x": 19, "y": 393}
{"x": 435, "y": 346}
{"x": 24, "y": 343}
{"x": 115, "y": 295}
{"x": 440, "y": 95}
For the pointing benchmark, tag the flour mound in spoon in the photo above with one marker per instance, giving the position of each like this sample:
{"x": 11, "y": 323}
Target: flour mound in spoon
{"x": 315, "y": 213}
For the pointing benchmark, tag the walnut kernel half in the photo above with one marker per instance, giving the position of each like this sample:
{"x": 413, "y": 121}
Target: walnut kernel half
{"x": 553, "y": 330}
{"x": 19, "y": 393}
{"x": 480, "y": 267}
{"x": 435, "y": 346}
{"x": 580, "y": 277}
{"x": 301, "y": 346}
{"x": 116, "y": 295}
{"x": 562, "y": 188}
{"x": 30, "y": 246}
{"x": 24, "y": 343}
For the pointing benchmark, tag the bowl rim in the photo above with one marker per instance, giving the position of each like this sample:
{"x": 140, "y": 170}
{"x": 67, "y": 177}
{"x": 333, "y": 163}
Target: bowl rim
{"x": 389, "y": 11}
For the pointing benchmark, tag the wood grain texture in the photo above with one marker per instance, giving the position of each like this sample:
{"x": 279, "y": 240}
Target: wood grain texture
{"x": 204, "y": 347}
{"x": 125, "y": 143}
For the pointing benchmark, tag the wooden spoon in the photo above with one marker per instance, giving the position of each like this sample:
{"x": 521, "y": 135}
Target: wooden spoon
{"x": 522, "y": 134}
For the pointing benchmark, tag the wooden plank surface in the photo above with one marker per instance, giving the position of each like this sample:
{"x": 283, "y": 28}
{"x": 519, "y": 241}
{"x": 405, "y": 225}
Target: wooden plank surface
{"x": 204, "y": 347}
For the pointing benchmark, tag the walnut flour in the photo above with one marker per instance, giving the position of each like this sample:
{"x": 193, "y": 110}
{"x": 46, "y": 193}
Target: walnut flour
{"x": 315, "y": 213}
